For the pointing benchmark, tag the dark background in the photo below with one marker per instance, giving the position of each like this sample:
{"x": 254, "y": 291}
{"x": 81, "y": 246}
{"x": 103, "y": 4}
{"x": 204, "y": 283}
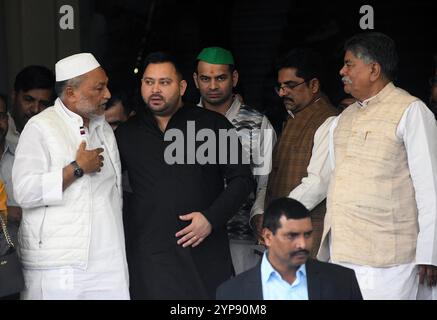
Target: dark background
{"x": 257, "y": 32}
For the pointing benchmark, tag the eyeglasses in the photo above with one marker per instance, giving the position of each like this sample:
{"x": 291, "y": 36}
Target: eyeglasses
{"x": 286, "y": 86}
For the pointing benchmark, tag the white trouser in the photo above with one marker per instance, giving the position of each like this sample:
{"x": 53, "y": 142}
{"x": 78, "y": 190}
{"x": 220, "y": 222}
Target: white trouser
{"x": 394, "y": 283}
{"x": 73, "y": 284}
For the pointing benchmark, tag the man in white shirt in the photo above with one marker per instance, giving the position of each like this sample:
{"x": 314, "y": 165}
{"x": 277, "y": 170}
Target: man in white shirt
{"x": 67, "y": 179}
{"x": 378, "y": 168}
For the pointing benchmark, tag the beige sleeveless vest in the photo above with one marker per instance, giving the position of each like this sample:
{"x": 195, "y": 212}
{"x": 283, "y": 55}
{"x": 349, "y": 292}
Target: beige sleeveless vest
{"x": 371, "y": 207}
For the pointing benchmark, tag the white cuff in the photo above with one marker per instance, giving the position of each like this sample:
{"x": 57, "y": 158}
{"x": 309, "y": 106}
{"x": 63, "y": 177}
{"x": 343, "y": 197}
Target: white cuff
{"x": 52, "y": 188}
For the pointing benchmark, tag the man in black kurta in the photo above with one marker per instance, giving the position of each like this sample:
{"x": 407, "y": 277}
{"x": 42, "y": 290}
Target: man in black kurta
{"x": 161, "y": 264}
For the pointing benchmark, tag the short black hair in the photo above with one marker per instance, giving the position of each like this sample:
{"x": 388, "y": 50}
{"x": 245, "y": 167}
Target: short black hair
{"x": 163, "y": 57}
{"x": 290, "y": 208}
{"x": 34, "y": 77}
{"x": 307, "y": 62}
{"x": 124, "y": 98}
{"x": 375, "y": 47}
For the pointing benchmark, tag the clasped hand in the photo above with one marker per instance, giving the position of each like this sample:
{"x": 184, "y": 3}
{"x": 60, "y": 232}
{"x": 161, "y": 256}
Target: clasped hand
{"x": 196, "y": 232}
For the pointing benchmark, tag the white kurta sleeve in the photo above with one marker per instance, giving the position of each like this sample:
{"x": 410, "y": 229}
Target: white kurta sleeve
{"x": 267, "y": 143}
{"x": 314, "y": 187}
{"x": 418, "y": 130}
{"x": 34, "y": 185}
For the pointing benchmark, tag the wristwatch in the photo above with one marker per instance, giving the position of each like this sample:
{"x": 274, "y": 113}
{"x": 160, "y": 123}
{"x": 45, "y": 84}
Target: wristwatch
{"x": 78, "y": 171}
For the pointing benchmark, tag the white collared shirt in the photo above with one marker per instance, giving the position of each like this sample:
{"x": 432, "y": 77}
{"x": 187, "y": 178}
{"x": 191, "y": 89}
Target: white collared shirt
{"x": 276, "y": 288}
{"x": 13, "y": 135}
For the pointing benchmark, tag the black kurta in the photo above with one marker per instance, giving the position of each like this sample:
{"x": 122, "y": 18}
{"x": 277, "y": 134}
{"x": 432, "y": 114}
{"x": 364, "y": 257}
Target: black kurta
{"x": 160, "y": 268}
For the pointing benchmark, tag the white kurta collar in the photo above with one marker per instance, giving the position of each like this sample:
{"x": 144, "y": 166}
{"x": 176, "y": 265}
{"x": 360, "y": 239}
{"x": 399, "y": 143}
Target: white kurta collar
{"x": 366, "y": 102}
{"x": 95, "y": 121}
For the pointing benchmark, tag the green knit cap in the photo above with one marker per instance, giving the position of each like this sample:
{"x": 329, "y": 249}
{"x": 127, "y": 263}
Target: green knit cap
{"x": 216, "y": 55}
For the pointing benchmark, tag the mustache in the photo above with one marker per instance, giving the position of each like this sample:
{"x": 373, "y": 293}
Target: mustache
{"x": 154, "y": 96}
{"x": 285, "y": 99}
{"x": 346, "y": 79}
{"x": 303, "y": 251}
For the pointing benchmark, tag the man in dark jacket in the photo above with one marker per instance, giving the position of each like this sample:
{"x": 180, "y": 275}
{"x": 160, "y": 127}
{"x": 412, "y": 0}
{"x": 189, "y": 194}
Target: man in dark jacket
{"x": 285, "y": 272}
{"x": 177, "y": 245}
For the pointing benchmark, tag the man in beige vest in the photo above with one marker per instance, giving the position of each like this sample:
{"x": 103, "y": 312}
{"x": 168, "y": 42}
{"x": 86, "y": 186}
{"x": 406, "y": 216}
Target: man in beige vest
{"x": 380, "y": 179}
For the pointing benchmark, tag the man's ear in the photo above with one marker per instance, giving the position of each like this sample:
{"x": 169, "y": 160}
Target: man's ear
{"x": 315, "y": 85}
{"x": 375, "y": 72}
{"x": 235, "y": 77}
{"x": 69, "y": 93}
{"x": 183, "y": 87}
{"x": 195, "y": 80}
{"x": 267, "y": 236}
{"x": 70, "y": 97}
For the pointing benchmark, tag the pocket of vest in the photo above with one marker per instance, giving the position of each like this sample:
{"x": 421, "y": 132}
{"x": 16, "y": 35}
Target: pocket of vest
{"x": 382, "y": 146}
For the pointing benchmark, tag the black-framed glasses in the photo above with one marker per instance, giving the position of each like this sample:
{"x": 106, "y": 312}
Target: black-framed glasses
{"x": 286, "y": 86}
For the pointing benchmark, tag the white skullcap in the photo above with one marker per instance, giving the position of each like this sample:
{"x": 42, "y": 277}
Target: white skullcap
{"x": 74, "y": 66}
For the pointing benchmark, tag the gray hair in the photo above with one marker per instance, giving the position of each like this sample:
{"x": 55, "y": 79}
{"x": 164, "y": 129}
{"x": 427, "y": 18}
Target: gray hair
{"x": 362, "y": 54}
{"x": 62, "y": 85}
{"x": 375, "y": 47}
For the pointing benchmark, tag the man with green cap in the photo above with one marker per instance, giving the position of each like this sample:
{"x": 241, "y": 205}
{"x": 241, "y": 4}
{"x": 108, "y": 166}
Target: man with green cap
{"x": 216, "y": 77}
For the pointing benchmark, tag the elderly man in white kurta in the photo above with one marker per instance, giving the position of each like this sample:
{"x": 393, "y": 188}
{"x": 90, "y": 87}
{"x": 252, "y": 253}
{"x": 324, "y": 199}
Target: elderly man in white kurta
{"x": 378, "y": 168}
{"x": 66, "y": 177}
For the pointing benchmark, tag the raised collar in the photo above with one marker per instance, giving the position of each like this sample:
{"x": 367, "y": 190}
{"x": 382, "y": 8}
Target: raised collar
{"x": 293, "y": 114}
{"x": 9, "y": 148}
{"x": 75, "y": 118}
{"x": 381, "y": 95}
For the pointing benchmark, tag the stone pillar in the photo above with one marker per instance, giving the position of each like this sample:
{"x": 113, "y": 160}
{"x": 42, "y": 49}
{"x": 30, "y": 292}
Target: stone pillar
{"x": 3, "y": 54}
{"x": 32, "y": 35}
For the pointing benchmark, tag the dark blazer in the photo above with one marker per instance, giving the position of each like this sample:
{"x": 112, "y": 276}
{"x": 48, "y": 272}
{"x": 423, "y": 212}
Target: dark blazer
{"x": 326, "y": 281}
